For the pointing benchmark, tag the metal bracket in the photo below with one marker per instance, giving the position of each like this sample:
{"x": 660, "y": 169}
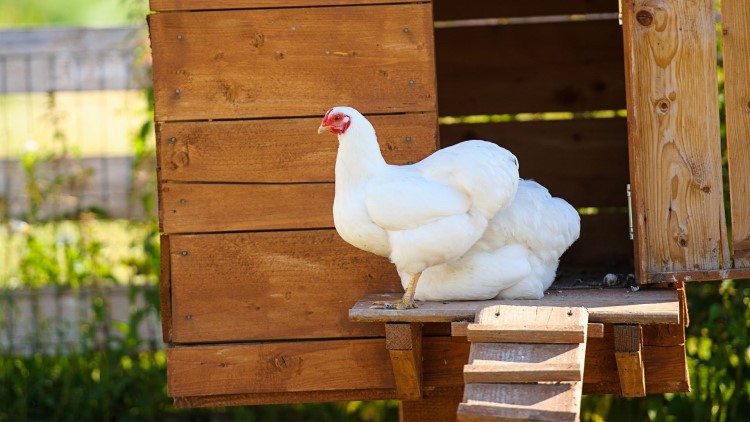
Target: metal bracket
{"x": 619, "y": 11}
{"x": 630, "y": 214}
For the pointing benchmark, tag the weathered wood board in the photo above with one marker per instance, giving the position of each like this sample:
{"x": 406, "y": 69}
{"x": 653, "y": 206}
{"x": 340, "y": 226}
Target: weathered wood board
{"x": 675, "y": 153}
{"x": 279, "y": 150}
{"x": 656, "y": 306}
{"x": 529, "y": 324}
{"x": 290, "y": 367}
{"x": 735, "y": 21}
{"x": 271, "y": 285}
{"x": 348, "y": 364}
{"x": 519, "y": 402}
{"x": 191, "y": 208}
{"x": 292, "y": 62}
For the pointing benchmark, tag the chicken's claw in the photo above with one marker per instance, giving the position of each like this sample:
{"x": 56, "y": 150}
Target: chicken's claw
{"x": 396, "y": 305}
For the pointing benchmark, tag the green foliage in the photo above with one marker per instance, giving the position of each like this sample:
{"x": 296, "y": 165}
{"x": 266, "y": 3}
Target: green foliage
{"x": 15, "y": 13}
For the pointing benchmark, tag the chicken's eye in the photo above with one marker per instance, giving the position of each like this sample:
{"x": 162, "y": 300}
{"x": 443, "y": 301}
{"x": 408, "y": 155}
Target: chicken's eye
{"x": 337, "y": 117}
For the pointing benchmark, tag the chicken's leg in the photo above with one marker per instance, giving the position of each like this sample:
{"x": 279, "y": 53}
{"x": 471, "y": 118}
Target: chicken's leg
{"x": 406, "y": 302}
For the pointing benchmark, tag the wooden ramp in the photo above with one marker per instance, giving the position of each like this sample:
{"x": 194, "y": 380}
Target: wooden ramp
{"x": 526, "y": 362}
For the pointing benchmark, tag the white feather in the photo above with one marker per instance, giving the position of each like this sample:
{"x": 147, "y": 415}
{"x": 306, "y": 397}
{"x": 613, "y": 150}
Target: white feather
{"x": 459, "y": 216}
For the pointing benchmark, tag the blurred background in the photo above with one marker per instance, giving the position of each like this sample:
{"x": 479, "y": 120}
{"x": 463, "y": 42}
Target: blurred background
{"x": 79, "y": 253}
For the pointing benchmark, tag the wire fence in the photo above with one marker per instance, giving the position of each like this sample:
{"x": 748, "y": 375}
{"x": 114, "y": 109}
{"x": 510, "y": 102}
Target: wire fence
{"x": 75, "y": 95}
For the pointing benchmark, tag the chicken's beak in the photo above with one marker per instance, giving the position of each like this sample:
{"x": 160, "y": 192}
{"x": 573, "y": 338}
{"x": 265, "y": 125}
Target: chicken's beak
{"x": 322, "y": 129}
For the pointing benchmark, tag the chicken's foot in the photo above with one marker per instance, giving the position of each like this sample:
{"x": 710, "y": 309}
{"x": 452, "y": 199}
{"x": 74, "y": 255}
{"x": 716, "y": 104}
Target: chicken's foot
{"x": 406, "y": 302}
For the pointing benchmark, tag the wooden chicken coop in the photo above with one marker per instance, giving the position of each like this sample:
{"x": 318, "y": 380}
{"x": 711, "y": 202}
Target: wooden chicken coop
{"x": 262, "y": 302}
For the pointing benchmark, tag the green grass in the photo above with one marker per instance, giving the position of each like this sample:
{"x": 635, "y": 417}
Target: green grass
{"x": 94, "y": 13}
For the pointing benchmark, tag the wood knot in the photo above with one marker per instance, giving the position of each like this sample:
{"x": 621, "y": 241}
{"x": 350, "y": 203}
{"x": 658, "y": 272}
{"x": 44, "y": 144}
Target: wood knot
{"x": 180, "y": 159}
{"x": 663, "y": 106}
{"x": 644, "y": 17}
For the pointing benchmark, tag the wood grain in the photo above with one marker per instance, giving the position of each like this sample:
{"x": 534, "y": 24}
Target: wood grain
{"x": 518, "y": 362}
{"x": 674, "y": 137}
{"x": 629, "y": 357}
{"x": 548, "y": 402}
{"x": 444, "y": 358}
{"x": 279, "y": 150}
{"x": 271, "y": 367}
{"x": 435, "y": 406}
{"x": 529, "y": 68}
{"x": 171, "y": 5}
{"x": 165, "y": 289}
{"x": 446, "y": 10}
{"x": 528, "y": 324}
{"x": 292, "y": 62}
{"x": 665, "y": 364}
{"x": 404, "y": 344}
{"x": 303, "y": 366}
{"x": 735, "y": 20}
{"x": 197, "y": 208}
{"x": 271, "y": 285}
{"x": 655, "y": 306}
{"x": 558, "y": 154}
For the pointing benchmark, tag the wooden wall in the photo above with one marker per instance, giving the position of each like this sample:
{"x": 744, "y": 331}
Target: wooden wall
{"x": 256, "y": 284}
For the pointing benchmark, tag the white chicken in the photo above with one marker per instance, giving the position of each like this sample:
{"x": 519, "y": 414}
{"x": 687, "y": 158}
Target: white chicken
{"x": 458, "y": 225}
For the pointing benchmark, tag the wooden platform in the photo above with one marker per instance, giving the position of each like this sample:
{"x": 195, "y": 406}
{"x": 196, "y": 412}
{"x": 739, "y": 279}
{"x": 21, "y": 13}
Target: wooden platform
{"x": 610, "y": 306}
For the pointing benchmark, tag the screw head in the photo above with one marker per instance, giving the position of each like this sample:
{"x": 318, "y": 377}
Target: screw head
{"x": 179, "y": 36}
{"x": 177, "y": 91}
{"x": 406, "y": 30}
{"x": 172, "y": 139}
{"x": 184, "y": 253}
{"x": 407, "y": 139}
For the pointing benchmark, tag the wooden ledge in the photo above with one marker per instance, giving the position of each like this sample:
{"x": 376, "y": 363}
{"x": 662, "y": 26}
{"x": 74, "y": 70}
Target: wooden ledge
{"x": 611, "y": 306}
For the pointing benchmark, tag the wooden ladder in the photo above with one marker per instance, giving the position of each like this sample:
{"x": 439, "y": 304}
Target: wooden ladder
{"x": 526, "y": 362}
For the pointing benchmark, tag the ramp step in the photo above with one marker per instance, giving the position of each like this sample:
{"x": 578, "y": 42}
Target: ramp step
{"x": 526, "y": 362}
{"x": 546, "y": 402}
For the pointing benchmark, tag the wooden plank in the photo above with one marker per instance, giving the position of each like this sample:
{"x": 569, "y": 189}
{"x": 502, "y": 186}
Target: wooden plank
{"x": 629, "y": 359}
{"x": 444, "y": 358}
{"x": 460, "y": 329}
{"x": 292, "y": 62}
{"x": 271, "y": 285}
{"x": 404, "y": 344}
{"x": 172, "y": 5}
{"x": 435, "y": 406}
{"x": 303, "y": 366}
{"x": 196, "y": 208}
{"x": 655, "y": 306}
{"x": 530, "y": 68}
{"x": 446, "y": 10}
{"x": 484, "y": 402}
{"x": 735, "y": 21}
{"x": 529, "y": 324}
{"x": 518, "y": 362}
{"x": 272, "y": 367}
{"x": 279, "y": 150}
{"x": 664, "y": 360}
{"x": 165, "y": 289}
{"x": 675, "y": 144}
{"x": 697, "y": 275}
{"x": 283, "y": 397}
{"x": 583, "y": 161}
